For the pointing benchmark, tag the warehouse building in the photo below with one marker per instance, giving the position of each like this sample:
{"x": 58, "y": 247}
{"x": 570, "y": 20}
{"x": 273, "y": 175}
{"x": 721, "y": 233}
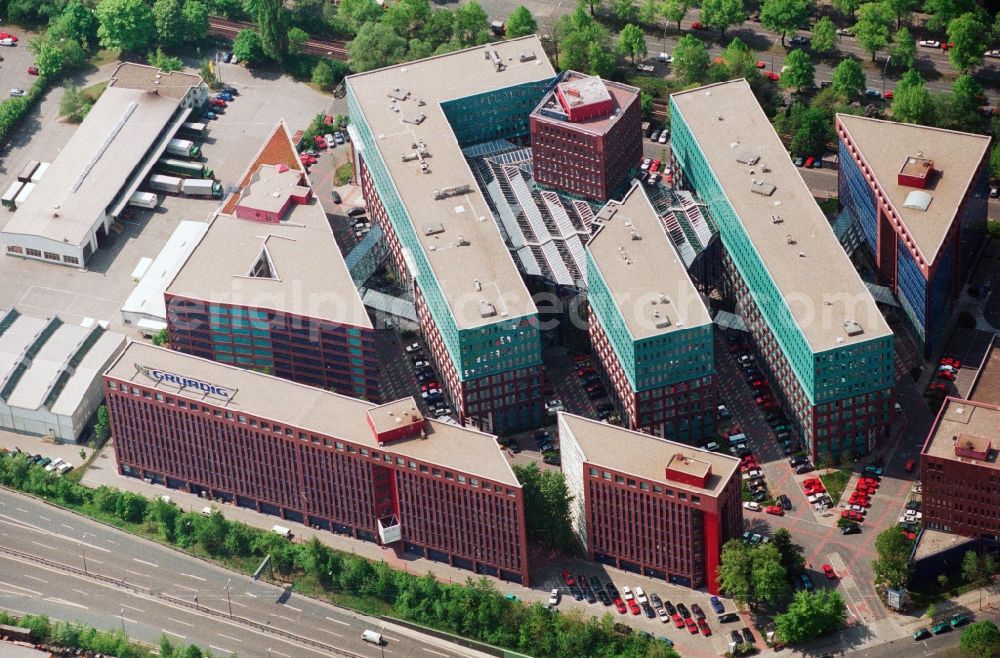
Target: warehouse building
{"x": 818, "y": 335}
{"x": 68, "y": 214}
{"x": 50, "y": 371}
{"x": 267, "y": 288}
{"x": 647, "y": 505}
{"x": 409, "y": 124}
{"x": 651, "y": 332}
{"x": 382, "y": 474}
{"x": 919, "y": 196}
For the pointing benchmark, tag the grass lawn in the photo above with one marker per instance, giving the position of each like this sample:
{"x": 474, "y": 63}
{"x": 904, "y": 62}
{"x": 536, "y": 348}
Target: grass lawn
{"x": 104, "y": 56}
{"x": 835, "y": 481}
{"x": 343, "y": 174}
{"x": 829, "y": 207}
{"x": 93, "y": 92}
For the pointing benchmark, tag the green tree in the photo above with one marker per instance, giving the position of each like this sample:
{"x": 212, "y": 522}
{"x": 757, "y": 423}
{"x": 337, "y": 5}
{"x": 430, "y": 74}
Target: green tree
{"x": 735, "y": 571}
{"x": 799, "y": 71}
{"x": 623, "y": 10}
{"x": 632, "y": 42}
{"x": 270, "y": 19}
{"x": 849, "y": 79}
{"x": 576, "y": 33}
{"x": 126, "y": 25}
{"x": 847, "y": 6}
{"x": 247, "y": 47}
{"x": 407, "y": 17}
{"x": 814, "y": 132}
{"x": 824, "y": 36}
{"x": 170, "y": 23}
{"x": 691, "y": 60}
{"x": 102, "y": 427}
{"x": 811, "y": 615}
{"x": 740, "y": 61}
{"x": 904, "y": 49}
{"x": 600, "y": 60}
{"x": 166, "y": 63}
{"x": 49, "y": 60}
{"x": 980, "y": 639}
{"x": 195, "y": 19}
{"x": 165, "y": 516}
{"x": 322, "y": 74}
{"x": 943, "y": 11}
{"x": 784, "y": 15}
{"x": 872, "y": 29}
{"x": 673, "y": 11}
{"x": 162, "y": 337}
{"x": 902, "y": 9}
{"x": 648, "y": 12}
{"x": 546, "y": 501}
{"x": 971, "y": 37}
{"x": 375, "y": 46}
{"x": 723, "y": 14}
{"x": 768, "y": 578}
{"x": 791, "y": 556}
{"x": 891, "y": 566}
{"x": 439, "y": 28}
{"x": 210, "y": 531}
{"x": 911, "y": 103}
{"x": 594, "y": 6}
{"x": 471, "y": 25}
{"x": 355, "y": 13}
{"x": 521, "y": 23}
{"x": 76, "y": 22}
{"x": 131, "y": 507}
{"x": 297, "y": 38}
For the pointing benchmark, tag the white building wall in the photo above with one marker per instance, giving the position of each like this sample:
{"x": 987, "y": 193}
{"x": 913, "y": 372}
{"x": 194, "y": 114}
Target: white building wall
{"x": 572, "y": 458}
{"x": 45, "y": 245}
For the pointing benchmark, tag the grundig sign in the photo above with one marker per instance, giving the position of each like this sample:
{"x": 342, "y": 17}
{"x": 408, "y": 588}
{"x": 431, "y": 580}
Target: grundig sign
{"x": 184, "y": 382}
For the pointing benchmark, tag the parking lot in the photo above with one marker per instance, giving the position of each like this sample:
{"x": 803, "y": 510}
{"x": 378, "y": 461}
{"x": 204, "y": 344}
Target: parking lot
{"x": 16, "y": 60}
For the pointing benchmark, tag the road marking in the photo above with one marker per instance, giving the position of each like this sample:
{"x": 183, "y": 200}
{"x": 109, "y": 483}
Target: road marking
{"x": 67, "y": 526}
{"x": 152, "y": 564}
{"x": 212, "y": 646}
{"x": 280, "y": 654}
{"x": 177, "y": 621}
{"x": 183, "y": 637}
{"x": 96, "y": 561}
{"x": 81, "y": 592}
{"x": 45, "y": 518}
{"x": 190, "y": 589}
{"x": 337, "y": 621}
{"x": 124, "y": 605}
{"x": 391, "y": 639}
{"x": 284, "y": 617}
{"x": 21, "y": 588}
{"x": 437, "y": 652}
{"x": 124, "y": 618}
{"x": 229, "y": 637}
{"x": 242, "y": 605}
{"x": 292, "y": 607}
{"x": 12, "y": 593}
{"x": 41, "y": 580}
{"x": 112, "y": 541}
{"x": 136, "y": 573}
{"x": 21, "y": 509}
{"x": 204, "y": 580}
{"x": 330, "y": 632}
{"x": 38, "y": 543}
{"x": 251, "y": 595}
{"x": 64, "y": 602}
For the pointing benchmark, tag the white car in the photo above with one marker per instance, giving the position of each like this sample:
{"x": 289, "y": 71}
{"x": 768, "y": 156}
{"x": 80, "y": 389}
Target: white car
{"x": 665, "y": 58}
{"x": 995, "y": 54}
{"x": 627, "y": 593}
{"x": 845, "y": 32}
{"x": 413, "y": 347}
{"x": 54, "y": 465}
{"x": 927, "y": 43}
{"x": 8, "y": 42}
{"x": 664, "y": 616}
{"x": 752, "y": 506}
{"x": 554, "y": 597}
{"x": 858, "y": 508}
{"x": 644, "y": 68}
{"x": 640, "y": 596}
{"x": 645, "y": 164}
{"x": 421, "y": 363}
{"x": 816, "y": 497}
{"x": 664, "y": 136}
{"x": 17, "y": 92}
{"x": 64, "y": 468}
{"x": 330, "y": 141}
{"x": 554, "y": 406}
{"x": 752, "y": 473}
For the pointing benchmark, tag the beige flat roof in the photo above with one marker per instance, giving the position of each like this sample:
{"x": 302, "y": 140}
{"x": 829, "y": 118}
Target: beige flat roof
{"x": 804, "y": 258}
{"x": 644, "y": 275}
{"x": 987, "y": 385}
{"x": 958, "y": 417}
{"x": 465, "y": 218}
{"x": 621, "y": 94}
{"x": 173, "y": 84}
{"x": 644, "y": 455}
{"x": 315, "y": 410}
{"x": 309, "y": 275}
{"x": 886, "y": 145}
{"x": 389, "y": 416}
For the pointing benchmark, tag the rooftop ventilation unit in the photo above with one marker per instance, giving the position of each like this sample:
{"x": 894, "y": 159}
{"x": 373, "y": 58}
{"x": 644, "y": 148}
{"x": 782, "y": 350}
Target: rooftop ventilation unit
{"x": 486, "y": 310}
{"x": 415, "y": 119}
{"x": 853, "y": 328}
{"x": 660, "y": 320}
{"x": 526, "y": 56}
{"x": 453, "y": 190}
{"x": 918, "y": 200}
{"x": 776, "y": 219}
{"x": 461, "y": 241}
{"x": 635, "y": 235}
{"x": 747, "y": 157}
{"x": 399, "y": 94}
{"x": 433, "y": 228}
{"x": 495, "y": 59}
{"x": 762, "y": 187}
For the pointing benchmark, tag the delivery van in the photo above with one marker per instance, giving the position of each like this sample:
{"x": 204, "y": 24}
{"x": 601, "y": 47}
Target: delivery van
{"x": 373, "y": 637}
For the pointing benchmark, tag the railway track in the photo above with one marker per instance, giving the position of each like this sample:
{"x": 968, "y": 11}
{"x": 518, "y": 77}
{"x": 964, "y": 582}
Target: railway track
{"x": 224, "y": 27}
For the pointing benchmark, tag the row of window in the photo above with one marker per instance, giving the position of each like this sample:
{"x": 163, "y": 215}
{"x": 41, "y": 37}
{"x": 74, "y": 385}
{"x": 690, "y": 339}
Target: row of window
{"x": 37, "y": 253}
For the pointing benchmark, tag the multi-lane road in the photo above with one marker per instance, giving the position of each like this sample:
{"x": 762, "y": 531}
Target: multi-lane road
{"x": 66, "y": 566}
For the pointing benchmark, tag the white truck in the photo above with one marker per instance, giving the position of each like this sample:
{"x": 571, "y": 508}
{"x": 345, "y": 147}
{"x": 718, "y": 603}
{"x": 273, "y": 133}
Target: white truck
{"x": 202, "y": 187}
{"x": 184, "y": 148}
{"x": 144, "y": 200}
{"x": 169, "y": 184}
{"x": 23, "y": 194}
{"x": 11, "y": 194}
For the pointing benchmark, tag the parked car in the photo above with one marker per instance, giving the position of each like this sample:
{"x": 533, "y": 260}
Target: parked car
{"x": 830, "y": 573}
{"x": 851, "y": 530}
{"x": 729, "y": 617}
{"x": 717, "y": 604}
{"x": 32, "y": 70}
{"x": 748, "y": 637}
{"x": 16, "y": 92}
{"x": 8, "y": 42}
{"x": 921, "y": 634}
{"x": 929, "y": 43}
{"x": 217, "y": 102}
{"x": 798, "y": 40}
{"x": 554, "y": 598}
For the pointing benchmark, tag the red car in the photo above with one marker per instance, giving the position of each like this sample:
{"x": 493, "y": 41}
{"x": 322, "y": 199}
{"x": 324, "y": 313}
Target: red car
{"x": 695, "y": 25}
{"x": 761, "y": 64}
{"x": 217, "y": 102}
{"x": 948, "y": 361}
{"x": 771, "y": 75}
{"x": 703, "y": 625}
{"x": 620, "y": 605}
{"x": 941, "y": 387}
{"x": 775, "y": 509}
{"x": 32, "y": 70}
{"x": 568, "y": 578}
{"x": 828, "y": 570}
{"x": 888, "y": 95}
{"x": 328, "y": 120}
{"x": 654, "y": 167}
{"x": 692, "y": 627}
{"x": 580, "y": 359}
{"x": 811, "y": 481}
{"x": 678, "y": 620}
{"x": 909, "y": 465}
{"x": 583, "y": 372}
{"x": 870, "y": 482}
{"x": 758, "y": 383}
{"x": 946, "y": 374}
{"x": 308, "y": 159}
{"x": 320, "y": 142}
{"x": 633, "y": 607}
{"x": 857, "y": 517}
{"x": 4, "y": 35}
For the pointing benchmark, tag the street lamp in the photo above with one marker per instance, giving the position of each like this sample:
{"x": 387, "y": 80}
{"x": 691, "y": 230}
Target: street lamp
{"x": 773, "y": 46}
{"x": 83, "y": 550}
{"x": 196, "y": 602}
{"x": 122, "y": 615}
{"x": 884, "y": 69}
{"x": 229, "y": 600}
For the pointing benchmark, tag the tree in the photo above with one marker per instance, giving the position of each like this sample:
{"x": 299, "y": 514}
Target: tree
{"x": 784, "y": 15}
{"x": 768, "y": 578}
{"x": 170, "y": 23}
{"x": 76, "y": 22}
{"x": 824, "y": 36}
{"x": 810, "y": 615}
{"x": 355, "y": 13}
{"x": 471, "y": 25}
{"x": 165, "y": 63}
{"x": 195, "y": 19}
{"x": 911, "y": 102}
{"x": 210, "y": 531}
{"x": 594, "y": 6}
{"x": 322, "y": 74}
{"x": 971, "y": 37}
{"x": 722, "y": 13}
{"x": 521, "y": 23}
{"x": 735, "y": 569}
{"x": 799, "y": 71}
{"x": 872, "y": 29}
{"x": 49, "y": 60}
{"x": 814, "y": 132}
{"x": 375, "y": 46}
{"x": 673, "y": 11}
{"x": 601, "y": 60}
{"x": 270, "y": 19}
{"x": 849, "y": 79}
{"x": 740, "y": 61}
{"x": 791, "y": 557}
{"x": 980, "y": 639}
{"x": 648, "y": 11}
{"x": 691, "y": 60}
{"x": 943, "y": 11}
{"x": 632, "y": 42}
{"x": 297, "y": 38}
{"x": 407, "y": 17}
{"x": 247, "y": 47}
{"x": 131, "y": 507}
{"x": 891, "y": 567}
{"x": 546, "y": 501}
{"x": 103, "y": 425}
{"x": 126, "y": 25}
{"x": 623, "y": 10}
{"x": 902, "y": 9}
{"x": 904, "y": 49}
{"x": 583, "y": 42}
{"x": 847, "y": 6}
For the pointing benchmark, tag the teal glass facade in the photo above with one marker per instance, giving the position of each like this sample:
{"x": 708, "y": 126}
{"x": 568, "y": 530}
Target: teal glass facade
{"x": 495, "y": 114}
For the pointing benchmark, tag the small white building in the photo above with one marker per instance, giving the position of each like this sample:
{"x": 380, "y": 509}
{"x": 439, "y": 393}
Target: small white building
{"x": 50, "y": 374}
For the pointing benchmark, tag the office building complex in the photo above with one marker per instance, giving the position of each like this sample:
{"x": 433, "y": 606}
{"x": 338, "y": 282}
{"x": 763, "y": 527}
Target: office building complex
{"x": 381, "y": 473}
{"x": 819, "y": 336}
{"x": 267, "y": 288}
{"x": 647, "y": 505}
{"x": 960, "y": 473}
{"x": 66, "y": 214}
{"x": 409, "y": 124}
{"x": 919, "y": 196}
{"x": 586, "y": 136}
{"x": 651, "y": 332}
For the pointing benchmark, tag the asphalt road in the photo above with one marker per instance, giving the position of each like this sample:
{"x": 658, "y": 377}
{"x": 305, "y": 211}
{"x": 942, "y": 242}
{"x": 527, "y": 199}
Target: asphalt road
{"x": 154, "y": 591}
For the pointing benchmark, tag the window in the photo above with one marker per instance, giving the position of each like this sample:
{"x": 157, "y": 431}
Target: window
{"x": 14, "y": 250}
{"x": 51, "y": 256}
{"x": 71, "y": 259}
{"x": 34, "y": 252}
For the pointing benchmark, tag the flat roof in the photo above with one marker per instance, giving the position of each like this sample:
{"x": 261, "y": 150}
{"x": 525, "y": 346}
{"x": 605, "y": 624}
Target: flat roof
{"x": 886, "y": 145}
{"x": 933, "y": 541}
{"x": 389, "y": 416}
{"x": 90, "y": 369}
{"x": 172, "y": 84}
{"x": 986, "y": 388}
{"x": 645, "y": 455}
{"x": 621, "y": 95}
{"x": 271, "y": 187}
{"x": 147, "y": 296}
{"x": 962, "y": 417}
{"x": 642, "y": 270}
{"x": 314, "y": 409}
{"x": 308, "y": 275}
{"x": 798, "y": 248}
{"x": 481, "y": 253}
